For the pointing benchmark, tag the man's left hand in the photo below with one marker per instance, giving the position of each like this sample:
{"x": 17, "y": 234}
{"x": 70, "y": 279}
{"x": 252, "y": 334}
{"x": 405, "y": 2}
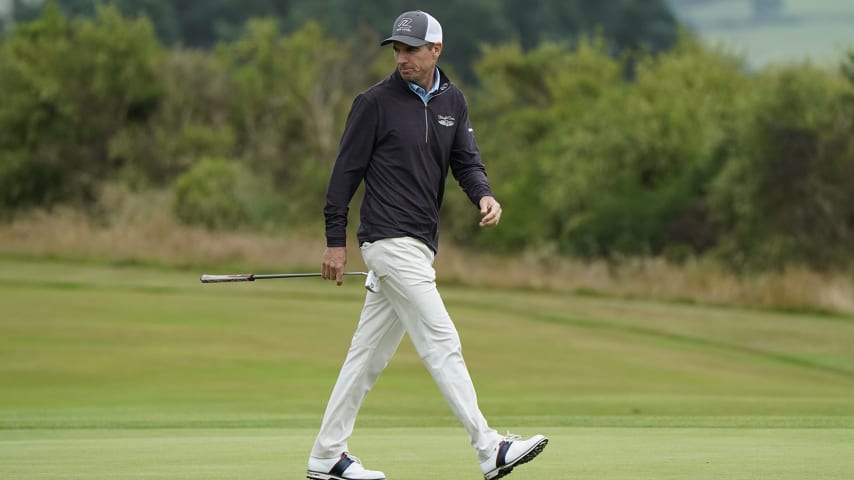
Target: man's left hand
{"x": 490, "y": 210}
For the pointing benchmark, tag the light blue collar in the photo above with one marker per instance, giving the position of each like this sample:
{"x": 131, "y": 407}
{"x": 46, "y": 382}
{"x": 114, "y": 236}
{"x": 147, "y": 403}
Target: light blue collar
{"x": 425, "y": 95}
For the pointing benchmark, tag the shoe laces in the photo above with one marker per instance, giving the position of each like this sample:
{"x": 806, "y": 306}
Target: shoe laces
{"x": 512, "y": 437}
{"x": 353, "y": 458}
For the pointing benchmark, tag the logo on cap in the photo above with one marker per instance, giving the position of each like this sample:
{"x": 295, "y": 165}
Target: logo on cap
{"x": 405, "y": 25}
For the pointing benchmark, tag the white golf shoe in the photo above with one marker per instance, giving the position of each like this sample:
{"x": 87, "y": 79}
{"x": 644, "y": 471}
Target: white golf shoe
{"x": 343, "y": 467}
{"x": 510, "y": 453}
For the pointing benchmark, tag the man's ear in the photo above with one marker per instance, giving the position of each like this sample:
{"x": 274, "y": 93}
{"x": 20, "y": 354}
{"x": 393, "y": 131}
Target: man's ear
{"x": 437, "y": 49}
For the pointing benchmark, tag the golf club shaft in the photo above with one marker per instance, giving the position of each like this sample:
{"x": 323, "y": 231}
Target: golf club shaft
{"x": 251, "y": 277}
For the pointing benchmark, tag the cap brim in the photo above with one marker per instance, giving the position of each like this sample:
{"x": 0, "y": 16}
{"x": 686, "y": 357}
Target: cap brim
{"x": 411, "y": 41}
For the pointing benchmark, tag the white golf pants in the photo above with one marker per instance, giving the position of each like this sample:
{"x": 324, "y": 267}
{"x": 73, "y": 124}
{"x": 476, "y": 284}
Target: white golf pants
{"x": 408, "y": 302}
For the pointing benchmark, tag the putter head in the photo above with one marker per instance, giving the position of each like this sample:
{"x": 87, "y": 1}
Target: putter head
{"x": 372, "y": 282}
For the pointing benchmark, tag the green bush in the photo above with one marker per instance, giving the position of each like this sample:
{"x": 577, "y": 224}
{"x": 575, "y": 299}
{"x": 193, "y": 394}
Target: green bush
{"x": 210, "y": 194}
{"x": 69, "y": 86}
{"x": 786, "y": 195}
{"x": 595, "y": 163}
{"x": 642, "y": 157}
{"x": 191, "y": 122}
{"x": 23, "y": 182}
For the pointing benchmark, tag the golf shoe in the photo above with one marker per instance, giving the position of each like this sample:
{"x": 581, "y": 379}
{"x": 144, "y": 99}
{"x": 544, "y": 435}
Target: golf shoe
{"x": 343, "y": 467}
{"x": 511, "y": 452}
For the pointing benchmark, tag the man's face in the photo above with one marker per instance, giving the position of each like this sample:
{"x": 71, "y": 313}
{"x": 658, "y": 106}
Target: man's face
{"x": 416, "y": 64}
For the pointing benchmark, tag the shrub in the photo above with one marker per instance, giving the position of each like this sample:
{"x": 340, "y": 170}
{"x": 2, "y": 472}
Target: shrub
{"x": 69, "y": 85}
{"x": 209, "y": 194}
{"x": 786, "y": 195}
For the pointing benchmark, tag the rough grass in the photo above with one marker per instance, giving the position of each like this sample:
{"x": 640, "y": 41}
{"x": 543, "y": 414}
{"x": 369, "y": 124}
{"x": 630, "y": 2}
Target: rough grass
{"x": 147, "y": 235}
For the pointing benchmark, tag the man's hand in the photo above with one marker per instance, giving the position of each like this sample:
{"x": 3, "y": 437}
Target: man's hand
{"x": 490, "y": 210}
{"x": 334, "y": 260}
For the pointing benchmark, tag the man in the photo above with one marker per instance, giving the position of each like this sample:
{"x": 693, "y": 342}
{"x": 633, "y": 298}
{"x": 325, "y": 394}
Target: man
{"x": 401, "y": 137}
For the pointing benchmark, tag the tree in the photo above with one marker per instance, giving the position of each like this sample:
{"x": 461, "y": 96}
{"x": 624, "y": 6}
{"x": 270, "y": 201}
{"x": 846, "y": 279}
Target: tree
{"x": 62, "y": 104}
{"x": 468, "y": 24}
{"x": 591, "y": 163}
{"x": 785, "y": 195}
{"x": 194, "y": 24}
{"x": 630, "y": 24}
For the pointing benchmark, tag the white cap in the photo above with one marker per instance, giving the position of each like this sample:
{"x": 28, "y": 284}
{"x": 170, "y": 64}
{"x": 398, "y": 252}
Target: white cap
{"x": 415, "y": 28}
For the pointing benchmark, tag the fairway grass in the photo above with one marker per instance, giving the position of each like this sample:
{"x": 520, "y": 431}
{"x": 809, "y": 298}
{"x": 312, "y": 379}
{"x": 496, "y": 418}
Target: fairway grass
{"x": 110, "y": 372}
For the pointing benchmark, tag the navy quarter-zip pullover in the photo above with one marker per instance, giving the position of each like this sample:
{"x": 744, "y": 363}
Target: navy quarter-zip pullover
{"x": 402, "y": 149}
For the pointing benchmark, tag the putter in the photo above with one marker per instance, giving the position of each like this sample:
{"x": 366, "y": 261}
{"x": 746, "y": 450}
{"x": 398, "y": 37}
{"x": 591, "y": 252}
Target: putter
{"x": 372, "y": 281}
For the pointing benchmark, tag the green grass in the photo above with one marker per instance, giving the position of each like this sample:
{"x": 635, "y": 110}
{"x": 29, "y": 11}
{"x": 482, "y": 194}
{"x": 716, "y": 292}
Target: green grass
{"x": 127, "y": 372}
{"x": 575, "y": 453}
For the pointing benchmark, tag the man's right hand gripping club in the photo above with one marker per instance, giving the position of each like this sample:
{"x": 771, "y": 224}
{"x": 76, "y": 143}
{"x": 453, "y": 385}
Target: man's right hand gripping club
{"x": 334, "y": 261}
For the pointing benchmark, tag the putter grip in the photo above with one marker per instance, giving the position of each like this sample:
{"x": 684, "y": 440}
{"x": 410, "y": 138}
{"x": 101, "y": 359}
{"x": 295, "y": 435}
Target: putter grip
{"x": 246, "y": 277}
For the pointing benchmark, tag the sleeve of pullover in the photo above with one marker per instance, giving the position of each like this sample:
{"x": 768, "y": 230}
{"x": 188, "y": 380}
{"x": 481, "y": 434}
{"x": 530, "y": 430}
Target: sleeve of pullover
{"x": 354, "y": 155}
{"x": 466, "y": 164}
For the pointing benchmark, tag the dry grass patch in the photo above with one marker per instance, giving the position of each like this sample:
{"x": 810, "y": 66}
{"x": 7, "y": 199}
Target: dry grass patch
{"x": 156, "y": 239}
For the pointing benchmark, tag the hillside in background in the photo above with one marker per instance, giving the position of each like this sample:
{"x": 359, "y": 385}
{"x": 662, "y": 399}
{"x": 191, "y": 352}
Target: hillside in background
{"x": 773, "y": 31}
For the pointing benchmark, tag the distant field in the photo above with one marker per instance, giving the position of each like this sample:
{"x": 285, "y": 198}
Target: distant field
{"x": 823, "y": 43}
{"x": 820, "y": 30}
{"x": 127, "y": 372}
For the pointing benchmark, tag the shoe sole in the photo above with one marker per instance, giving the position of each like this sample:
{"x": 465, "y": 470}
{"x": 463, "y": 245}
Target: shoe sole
{"x": 525, "y": 458}
{"x": 312, "y": 475}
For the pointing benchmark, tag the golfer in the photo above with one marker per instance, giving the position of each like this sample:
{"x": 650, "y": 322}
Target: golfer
{"x": 401, "y": 137}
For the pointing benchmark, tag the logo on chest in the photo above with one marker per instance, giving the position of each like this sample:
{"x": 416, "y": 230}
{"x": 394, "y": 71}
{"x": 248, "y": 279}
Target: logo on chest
{"x": 446, "y": 120}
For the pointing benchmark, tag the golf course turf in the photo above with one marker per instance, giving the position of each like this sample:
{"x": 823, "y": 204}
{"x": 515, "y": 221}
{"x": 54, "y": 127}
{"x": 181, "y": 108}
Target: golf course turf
{"x": 120, "y": 372}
